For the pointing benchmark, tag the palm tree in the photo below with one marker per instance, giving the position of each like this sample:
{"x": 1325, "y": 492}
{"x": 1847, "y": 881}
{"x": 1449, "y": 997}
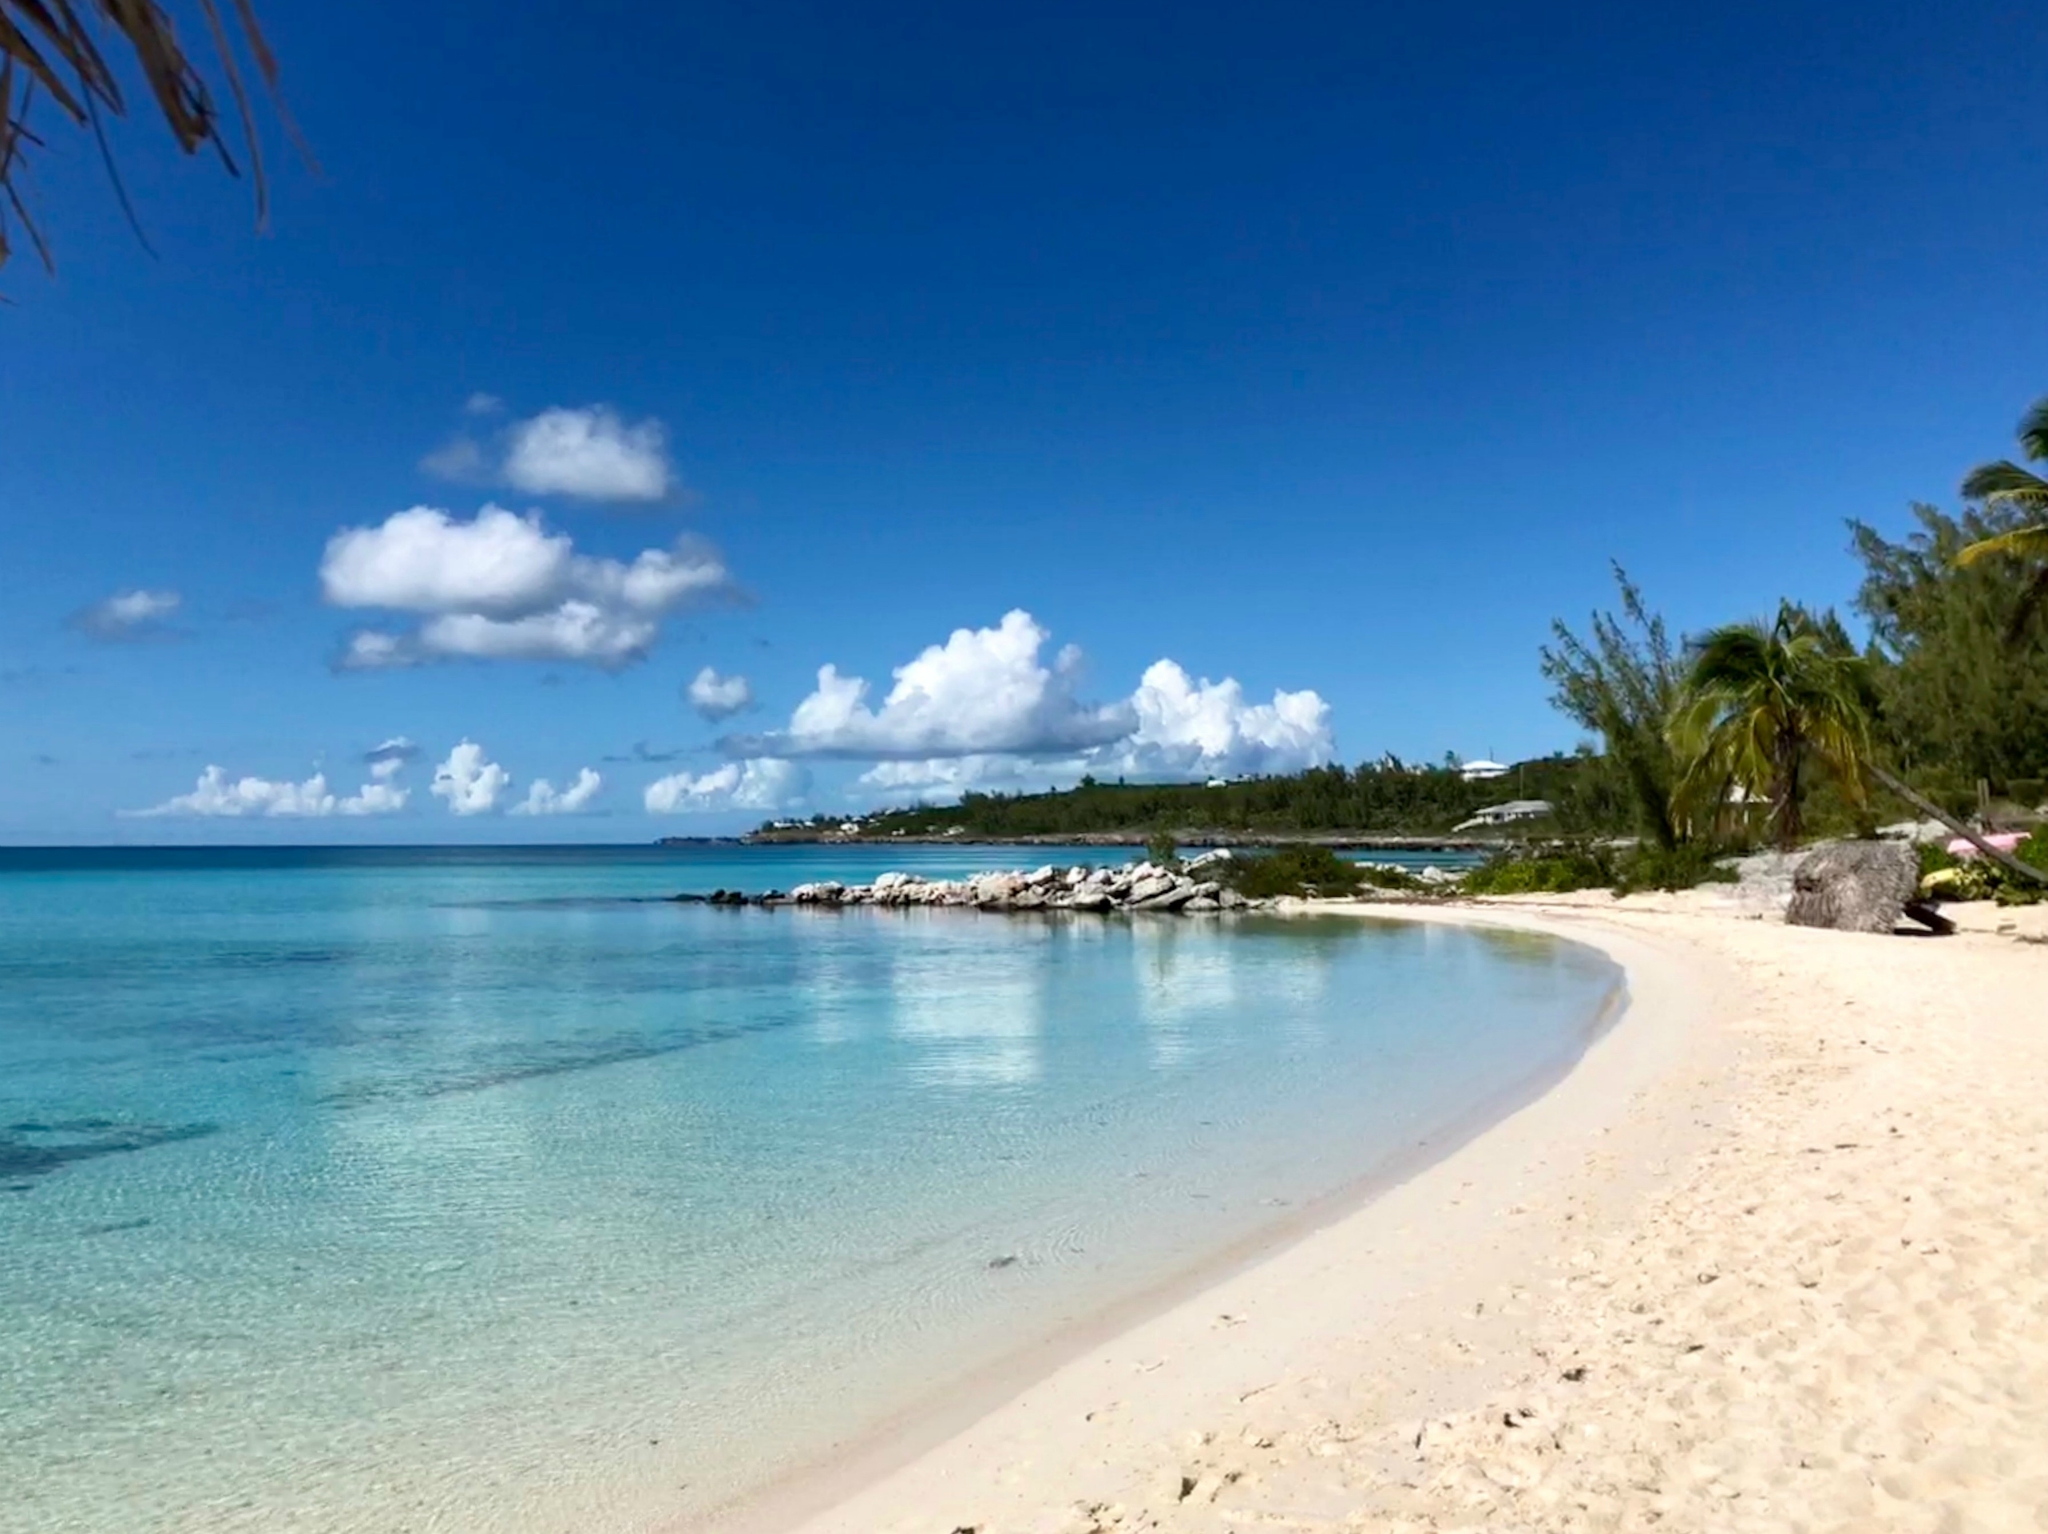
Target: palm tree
{"x": 2006, "y": 483}
{"x": 1763, "y": 701}
{"x": 56, "y": 47}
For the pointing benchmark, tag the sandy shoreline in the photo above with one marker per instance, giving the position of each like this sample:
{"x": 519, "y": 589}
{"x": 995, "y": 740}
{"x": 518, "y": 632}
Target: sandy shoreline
{"x": 1774, "y": 1255}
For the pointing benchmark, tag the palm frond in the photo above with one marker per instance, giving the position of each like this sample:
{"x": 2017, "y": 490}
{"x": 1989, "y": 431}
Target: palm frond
{"x": 2034, "y": 430}
{"x": 2021, "y": 543}
{"x": 2005, "y": 481}
{"x": 1760, "y": 701}
{"x": 61, "y": 46}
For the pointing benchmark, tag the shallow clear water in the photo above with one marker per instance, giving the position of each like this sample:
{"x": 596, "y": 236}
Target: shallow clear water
{"x": 447, "y": 1190}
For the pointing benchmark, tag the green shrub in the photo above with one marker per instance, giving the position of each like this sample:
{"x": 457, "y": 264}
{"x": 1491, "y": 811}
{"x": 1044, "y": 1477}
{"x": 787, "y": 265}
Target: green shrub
{"x": 2029, "y": 793}
{"x": 1560, "y": 870}
{"x": 1289, "y": 870}
{"x": 1934, "y": 857}
{"x": 1551, "y": 872}
{"x": 1162, "y": 849}
{"x": 1386, "y": 876}
{"x": 1682, "y": 867}
{"x": 2014, "y": 890}
{"x": 1950, "y": 878}
{"x": 1978, "y": 880}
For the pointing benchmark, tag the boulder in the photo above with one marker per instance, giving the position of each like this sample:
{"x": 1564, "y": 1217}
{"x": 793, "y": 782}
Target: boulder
{"x": 1177, "y": 894}
{"x": 1092, "y": 898}
{"x": 1854, "y": 887}
{"x": 1151, "y": 887}
{"x": 1230, "y": 899}
{"x": 1028, "y": 900}
{"x": 1919, "y": 832}
{"x": 1202, "y": 903}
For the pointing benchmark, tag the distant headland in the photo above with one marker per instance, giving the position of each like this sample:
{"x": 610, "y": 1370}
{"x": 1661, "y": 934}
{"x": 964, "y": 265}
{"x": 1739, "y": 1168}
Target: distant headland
{"x": 1448, "y": 806}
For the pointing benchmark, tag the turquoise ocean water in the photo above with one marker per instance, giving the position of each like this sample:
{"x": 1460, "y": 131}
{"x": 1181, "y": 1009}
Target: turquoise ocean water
{"x": 446, "y": 1189}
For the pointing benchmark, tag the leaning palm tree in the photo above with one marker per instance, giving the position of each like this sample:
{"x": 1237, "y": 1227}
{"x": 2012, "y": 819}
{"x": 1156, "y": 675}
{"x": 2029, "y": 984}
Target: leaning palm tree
{"x": 60, "y": 48}
{"x": 2006, "y": 483}
{"x": 1760, "y": 705}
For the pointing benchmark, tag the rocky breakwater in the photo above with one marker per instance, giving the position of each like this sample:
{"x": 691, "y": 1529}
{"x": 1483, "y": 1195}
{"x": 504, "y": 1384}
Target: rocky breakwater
{"x": 1135, "y": 887}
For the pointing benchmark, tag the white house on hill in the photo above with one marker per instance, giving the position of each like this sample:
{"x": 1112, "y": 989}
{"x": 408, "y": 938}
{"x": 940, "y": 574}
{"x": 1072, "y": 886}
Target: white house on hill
{"x": 1502, "y": 814}
{"x": 1480, "y": 771}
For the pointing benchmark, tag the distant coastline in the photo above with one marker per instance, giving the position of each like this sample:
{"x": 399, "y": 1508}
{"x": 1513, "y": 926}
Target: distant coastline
{"x": 1346, "y": 841}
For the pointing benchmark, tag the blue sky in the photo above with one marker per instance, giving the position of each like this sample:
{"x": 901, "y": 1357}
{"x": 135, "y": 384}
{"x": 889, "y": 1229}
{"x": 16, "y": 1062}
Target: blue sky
{"x": 1324, "y": 350}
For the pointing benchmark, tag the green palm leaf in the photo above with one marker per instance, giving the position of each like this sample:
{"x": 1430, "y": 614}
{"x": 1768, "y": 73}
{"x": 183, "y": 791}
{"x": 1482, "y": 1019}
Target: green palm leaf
{"x": 2021, "y": 543}
{"x": 2034, "y": 431}
{"x": 1761, "y": 704}
{"x": 2003, "y": 481}
{"x": 2007, "y": 483}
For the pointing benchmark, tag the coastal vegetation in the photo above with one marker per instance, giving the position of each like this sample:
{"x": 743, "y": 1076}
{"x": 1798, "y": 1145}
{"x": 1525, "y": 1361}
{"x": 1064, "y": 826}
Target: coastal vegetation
{"x": 1564, "y": 867}
{"x": 1944, "y": 876}
{"x": 1385, "y": 797}
{"x": 1786, "y": 726}
{"x": 1621, "y": 684}
{"x": 1305, "y": 869}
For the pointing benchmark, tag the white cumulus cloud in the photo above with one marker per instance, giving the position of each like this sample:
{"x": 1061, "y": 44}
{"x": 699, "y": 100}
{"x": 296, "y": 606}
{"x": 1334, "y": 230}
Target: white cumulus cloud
{"x": 948, "y": 777}
{"x": 575, "y": 631}
{"x": 1194, "y": 727}
{"x": 469, "y": 781}
{"x": 134, "y": 614}
{"x": 983, "y": 711}
{"x": 380, "y": 797}
{"x": 719, "y": 697}
{"x": 501, "y": 586}
{"x": 760, "y": 783}
{"x": 424, "y": 560}
{"x": 589, "y": 453}
{"x": 982, "y": 691}
{"x": 542, "y": 797}
{"x": 216, "y": 794}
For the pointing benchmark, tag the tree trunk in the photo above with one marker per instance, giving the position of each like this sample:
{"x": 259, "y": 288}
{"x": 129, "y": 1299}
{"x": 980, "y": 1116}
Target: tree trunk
{"x": 1929, "y": 808}
{"x": 1786, "y": 810}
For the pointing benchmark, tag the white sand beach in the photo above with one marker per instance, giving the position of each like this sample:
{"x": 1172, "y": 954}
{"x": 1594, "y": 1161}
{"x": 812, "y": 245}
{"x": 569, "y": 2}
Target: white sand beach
{"x": 1773, "y": 1256}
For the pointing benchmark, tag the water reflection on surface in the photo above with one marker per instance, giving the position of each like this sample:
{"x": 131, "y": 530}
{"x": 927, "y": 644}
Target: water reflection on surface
{"x": 515, "y": 1210}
